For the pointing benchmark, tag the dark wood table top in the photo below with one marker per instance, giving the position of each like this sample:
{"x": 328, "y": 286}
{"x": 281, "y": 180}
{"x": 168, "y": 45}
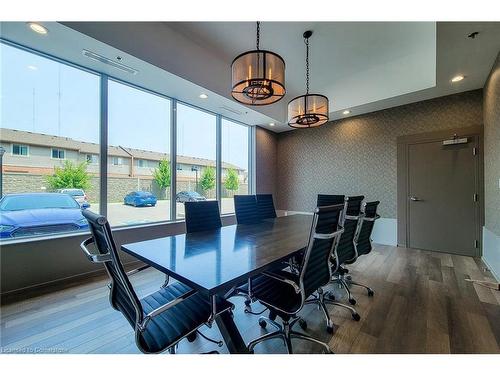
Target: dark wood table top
{"x": 215, "y": 261}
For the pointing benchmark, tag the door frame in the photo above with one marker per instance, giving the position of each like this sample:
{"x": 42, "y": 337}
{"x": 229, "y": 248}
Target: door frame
{"x": 403, "y": 143}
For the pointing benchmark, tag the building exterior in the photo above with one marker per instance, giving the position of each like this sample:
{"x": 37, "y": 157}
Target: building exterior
{"x": 29, "y": 157}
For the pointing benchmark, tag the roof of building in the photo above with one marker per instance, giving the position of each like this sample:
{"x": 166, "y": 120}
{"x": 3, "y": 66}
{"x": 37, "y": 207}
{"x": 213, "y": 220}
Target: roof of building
{"x": 38, "y": 139}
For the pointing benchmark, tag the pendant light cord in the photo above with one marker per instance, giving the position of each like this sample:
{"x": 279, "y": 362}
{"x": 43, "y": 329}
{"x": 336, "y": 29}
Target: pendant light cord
{"x": 306, "y": 41}
{"x": 258, "y": 35}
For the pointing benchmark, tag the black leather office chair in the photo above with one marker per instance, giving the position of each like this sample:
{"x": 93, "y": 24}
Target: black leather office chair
{"x": 346, "y": 251}
{"x": 245, "y": 207}
{"x": 285, "y": 293}
{"x": 265, "y": 206}
{"x": 362, "y": 239}
{"x": 328, "y": 200}
{"x": 202, "y": 216}
{"x": 161, "y": 319}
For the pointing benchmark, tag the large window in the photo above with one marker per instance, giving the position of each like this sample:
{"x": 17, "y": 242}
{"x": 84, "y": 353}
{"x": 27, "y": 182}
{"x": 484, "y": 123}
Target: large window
{"x": 51, "y": 127}
{"x": 234, "y": 163}
{"x": 45, "y": 104}
{"x": 196, "y": 156}
{"x": 139, "y": 156}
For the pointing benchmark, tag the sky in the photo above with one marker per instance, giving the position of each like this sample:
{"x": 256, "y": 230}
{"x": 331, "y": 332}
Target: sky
{"x": 43, "y": 96}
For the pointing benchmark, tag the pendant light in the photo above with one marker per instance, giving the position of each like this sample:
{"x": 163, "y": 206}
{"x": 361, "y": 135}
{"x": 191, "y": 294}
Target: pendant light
{"x": 258, "y": 76}
{"x": 309, "y": 110}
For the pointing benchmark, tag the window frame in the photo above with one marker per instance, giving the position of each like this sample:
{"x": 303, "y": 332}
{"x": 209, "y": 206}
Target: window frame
{"x": 58, "y": 153}
{"x": 94, "y": 159}
{"x": 21, "y": 145}
{"x": 102, "y": 156}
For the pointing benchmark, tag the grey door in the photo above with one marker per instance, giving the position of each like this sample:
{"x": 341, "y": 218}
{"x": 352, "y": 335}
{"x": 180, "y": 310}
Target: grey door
{"x": 442, "y": 205}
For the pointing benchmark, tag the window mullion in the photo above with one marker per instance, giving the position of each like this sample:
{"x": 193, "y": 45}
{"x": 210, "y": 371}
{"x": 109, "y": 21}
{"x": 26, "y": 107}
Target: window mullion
{"x": 218, "y": 160}
{"x": 173, "y": 159}
{"x": 103, "y": 142}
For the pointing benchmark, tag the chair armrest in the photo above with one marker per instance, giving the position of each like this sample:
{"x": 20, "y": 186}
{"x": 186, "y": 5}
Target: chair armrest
{"x": 165, "y": 307}
{"x": 134, "y": 271}
{"x": 94, "y": 258}
{"x": 372, "y": 218}
{"x": 351, "y": 217}
{"x": 282, "y": 279}
{"x": 323, "y": 236}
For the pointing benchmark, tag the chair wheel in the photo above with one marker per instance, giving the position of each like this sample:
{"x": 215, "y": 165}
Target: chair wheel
{"x": 247, "y": 302}
{"x": 329, "y": 329}
{"x": 330, "y": 296}
{"x": 370, "y": 293}
{"x": 262, "y": 323}
{"x": 352, "y": 301}
{"x": 272, "y": 315}
{"x": 191, "y": 337}
{"x": 356, "y": 317}
{"x": 303, "y": 324}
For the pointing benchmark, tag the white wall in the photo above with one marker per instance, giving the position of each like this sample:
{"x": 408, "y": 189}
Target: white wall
{"x": 491, "y": 252}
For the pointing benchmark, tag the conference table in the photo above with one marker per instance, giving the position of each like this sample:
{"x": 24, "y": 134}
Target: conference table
{"x": 216, "y": 262}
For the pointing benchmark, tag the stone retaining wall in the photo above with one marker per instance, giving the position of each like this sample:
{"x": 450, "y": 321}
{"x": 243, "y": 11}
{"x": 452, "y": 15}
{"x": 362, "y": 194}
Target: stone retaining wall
{"x": 118, "y": 187}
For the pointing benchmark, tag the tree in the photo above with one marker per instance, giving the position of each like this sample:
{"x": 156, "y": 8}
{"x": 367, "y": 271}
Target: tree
{"x": 231, "y": 182}
{"x": 207, "y": 180}
{"x": 162, "y": 175}
{"x": 70, "y": 176}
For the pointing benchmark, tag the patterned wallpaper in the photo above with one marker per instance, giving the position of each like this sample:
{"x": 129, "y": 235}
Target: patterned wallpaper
{"x": 492, "y": 149}
{"x": 266, "y": 144}
{"x": 358, "y": 155}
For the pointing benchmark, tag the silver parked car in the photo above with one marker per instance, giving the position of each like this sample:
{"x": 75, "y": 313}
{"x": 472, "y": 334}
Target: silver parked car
{"x": 79, "y": 196}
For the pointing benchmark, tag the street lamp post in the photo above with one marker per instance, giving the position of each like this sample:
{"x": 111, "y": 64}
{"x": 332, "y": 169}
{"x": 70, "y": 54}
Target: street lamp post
{"x": 2, "y": 151}
{"x": 195, "y": 169}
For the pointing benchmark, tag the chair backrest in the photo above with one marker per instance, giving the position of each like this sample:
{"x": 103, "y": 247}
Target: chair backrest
{"x": 363, "y": 238}
{"x": 245, "y": 207}
{"x": 328, "y": 200}
{"x": 346, "y": 251}
{"x": 122, "y": 295}
{"x": 265, "y": 205}
{"x": 202, "y": 215}
{"x": 325, "y": 231}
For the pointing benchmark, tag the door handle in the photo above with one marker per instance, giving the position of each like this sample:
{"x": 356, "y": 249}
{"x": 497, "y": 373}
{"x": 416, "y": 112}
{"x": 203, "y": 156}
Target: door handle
{"x": 414, "y": 199}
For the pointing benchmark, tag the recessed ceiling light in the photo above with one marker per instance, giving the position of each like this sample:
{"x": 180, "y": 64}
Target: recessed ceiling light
{"x": 37, "y": 28}
{"x": 271, "y": 124}
{"x": 32, "y": 67}
{"x": 203, "y": 96}
{"x": 346, "y": 112}
{"x": 457, "y": 78}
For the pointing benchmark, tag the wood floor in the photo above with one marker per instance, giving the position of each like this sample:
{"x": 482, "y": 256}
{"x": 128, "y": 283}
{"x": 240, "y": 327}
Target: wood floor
{"x": 421, "y": 305}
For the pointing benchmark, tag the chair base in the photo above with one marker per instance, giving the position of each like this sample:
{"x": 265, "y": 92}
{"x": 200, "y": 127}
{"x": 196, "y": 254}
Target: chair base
{"x": 345, "y": 281}
{"x": 369, "y": 290}
{"x": 322, "y": 299}
{"x": 286, "y": 333}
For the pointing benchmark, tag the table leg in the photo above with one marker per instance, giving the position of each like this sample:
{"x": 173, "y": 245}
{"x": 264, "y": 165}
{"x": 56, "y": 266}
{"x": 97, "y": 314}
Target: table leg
{"x": 230, "y": 333}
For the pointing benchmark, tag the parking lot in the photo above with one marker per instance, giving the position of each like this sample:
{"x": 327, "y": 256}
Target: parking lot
{"x": 120, "y": 214}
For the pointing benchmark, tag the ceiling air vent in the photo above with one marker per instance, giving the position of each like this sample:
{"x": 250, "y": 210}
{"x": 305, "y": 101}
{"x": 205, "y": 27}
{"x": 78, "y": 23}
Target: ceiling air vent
{"x": 235, "y": 111}
{"x": 105, "y": 60}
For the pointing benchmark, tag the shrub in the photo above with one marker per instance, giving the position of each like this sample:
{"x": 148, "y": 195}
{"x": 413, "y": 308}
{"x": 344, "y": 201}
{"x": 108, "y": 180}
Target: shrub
{"x": 70, "y": 176}
{"x": 207, "y": 180}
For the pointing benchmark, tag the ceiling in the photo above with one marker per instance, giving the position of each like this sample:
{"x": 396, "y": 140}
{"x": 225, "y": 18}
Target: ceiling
{"x": 67, "y": 44}
{"x": 360, "y": 66}
{"x": 353, "y": 63}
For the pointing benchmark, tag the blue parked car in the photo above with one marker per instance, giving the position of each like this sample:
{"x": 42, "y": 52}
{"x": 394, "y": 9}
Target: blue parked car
{"x": 32, "y": 214}
{"x": 140, "y": 199}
